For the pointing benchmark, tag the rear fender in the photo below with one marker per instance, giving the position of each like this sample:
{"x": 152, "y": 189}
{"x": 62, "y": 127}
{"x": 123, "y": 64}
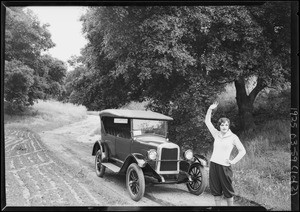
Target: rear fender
{"x": 96, "y": 147}
{"x": 103, "y": 146}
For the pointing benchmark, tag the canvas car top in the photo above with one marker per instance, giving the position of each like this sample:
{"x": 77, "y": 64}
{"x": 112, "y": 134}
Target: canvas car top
{"x": 137, "y": 114}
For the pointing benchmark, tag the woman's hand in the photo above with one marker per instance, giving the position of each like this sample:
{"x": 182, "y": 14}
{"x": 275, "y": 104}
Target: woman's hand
{"x": 230, "y": 162}
{"x": 214, "y": 105}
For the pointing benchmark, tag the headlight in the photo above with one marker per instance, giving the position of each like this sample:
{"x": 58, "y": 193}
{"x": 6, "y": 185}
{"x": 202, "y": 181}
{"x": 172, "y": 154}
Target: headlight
{"x": 188, "y": 154}
{"x": 152, "y": 154}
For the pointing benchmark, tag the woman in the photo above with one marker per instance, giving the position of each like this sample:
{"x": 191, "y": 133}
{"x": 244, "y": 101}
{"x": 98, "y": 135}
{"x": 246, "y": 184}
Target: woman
{"x": 220, "y": 172}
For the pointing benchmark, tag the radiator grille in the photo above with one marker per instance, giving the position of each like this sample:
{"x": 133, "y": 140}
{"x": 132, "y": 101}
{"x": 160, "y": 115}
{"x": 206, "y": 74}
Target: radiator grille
{"x": 169, "y": 154}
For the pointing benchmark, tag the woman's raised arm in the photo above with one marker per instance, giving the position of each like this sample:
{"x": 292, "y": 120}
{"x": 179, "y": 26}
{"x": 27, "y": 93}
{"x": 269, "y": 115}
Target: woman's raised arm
{"x": 208, "y": 123}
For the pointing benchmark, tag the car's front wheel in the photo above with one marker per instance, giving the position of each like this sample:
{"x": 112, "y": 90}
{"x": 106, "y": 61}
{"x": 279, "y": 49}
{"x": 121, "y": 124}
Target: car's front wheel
{"x": 100, "y": 169}
{"x": 199, "y": 179}
{"x": 135, "y": 182}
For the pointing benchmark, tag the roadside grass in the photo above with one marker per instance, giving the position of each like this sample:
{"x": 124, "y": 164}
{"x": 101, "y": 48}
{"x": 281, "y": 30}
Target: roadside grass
{"x": 46, "y": 115}
{"x": 263, "y": 175}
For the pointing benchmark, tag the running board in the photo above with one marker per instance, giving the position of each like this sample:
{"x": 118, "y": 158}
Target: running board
{"x": 112, "y": 167}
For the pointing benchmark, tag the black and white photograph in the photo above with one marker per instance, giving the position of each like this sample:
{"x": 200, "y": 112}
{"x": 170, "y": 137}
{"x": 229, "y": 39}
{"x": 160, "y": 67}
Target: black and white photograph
{"x": 181, "y": 106}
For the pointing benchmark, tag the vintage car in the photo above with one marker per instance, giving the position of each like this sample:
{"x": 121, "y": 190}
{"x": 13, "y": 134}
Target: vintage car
{"x": 135, "y": 143}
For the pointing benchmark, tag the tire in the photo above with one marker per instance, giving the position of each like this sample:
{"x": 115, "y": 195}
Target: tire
{"x": 135, "y": 182}
{"x": 200, "y": 179}
{"x": 100, "y": 169}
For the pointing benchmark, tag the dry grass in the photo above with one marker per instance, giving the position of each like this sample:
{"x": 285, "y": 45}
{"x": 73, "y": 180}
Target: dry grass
{"x": 46, "y": 115}
{"x": 263, "y": 175}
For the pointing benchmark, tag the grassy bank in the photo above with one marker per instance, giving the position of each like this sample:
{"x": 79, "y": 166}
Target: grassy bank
{"x": 263, "y": 175}
{"x": 46, "y": 115}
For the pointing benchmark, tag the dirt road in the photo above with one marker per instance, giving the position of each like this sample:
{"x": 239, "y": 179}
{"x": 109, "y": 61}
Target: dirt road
{"x": 56, "y": 168}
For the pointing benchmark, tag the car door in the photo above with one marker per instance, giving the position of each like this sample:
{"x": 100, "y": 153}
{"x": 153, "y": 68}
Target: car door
{"x": 108, "y": 135}
{"x": 123, "y": 147}
{"x": 123, "y": 139}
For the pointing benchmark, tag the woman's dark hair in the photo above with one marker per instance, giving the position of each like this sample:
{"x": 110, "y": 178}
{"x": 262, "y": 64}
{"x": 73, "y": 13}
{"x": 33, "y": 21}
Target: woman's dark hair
{"x": 223, "y": 120}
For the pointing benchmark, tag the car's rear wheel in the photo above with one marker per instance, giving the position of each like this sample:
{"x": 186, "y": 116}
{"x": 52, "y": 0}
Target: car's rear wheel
{"x": 199, "y": 179}
{"x": 135, "y": 182}
{"x": 100, "y": 169}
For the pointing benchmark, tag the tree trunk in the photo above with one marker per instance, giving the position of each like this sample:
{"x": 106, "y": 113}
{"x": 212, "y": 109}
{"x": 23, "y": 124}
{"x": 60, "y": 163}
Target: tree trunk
{"x": 245, "y": 102}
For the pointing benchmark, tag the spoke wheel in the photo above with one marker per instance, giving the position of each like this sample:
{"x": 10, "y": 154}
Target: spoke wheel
{"x": 199, "y": 179}
{"x": 100, "y": 169}
{"x": 135, "y": 182}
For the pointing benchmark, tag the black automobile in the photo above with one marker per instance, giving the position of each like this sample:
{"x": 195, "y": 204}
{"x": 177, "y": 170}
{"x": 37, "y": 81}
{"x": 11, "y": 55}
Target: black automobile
{"x": 135, "y": 143}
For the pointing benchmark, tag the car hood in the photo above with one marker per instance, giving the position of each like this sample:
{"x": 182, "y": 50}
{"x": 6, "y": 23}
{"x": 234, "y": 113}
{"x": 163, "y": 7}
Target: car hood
{"x": 151, "y": 140}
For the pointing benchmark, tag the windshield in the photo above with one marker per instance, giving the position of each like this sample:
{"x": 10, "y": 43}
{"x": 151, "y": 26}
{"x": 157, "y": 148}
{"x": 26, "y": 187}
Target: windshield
{"x": 149, "y": 127}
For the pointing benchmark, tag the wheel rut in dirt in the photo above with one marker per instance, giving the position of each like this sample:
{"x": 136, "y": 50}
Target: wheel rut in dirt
{"x": 35, "y": 178}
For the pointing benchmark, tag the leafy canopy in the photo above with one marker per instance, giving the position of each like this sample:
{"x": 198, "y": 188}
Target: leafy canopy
{"x": 180, "y": 58}
{"x": 29, "y": 74}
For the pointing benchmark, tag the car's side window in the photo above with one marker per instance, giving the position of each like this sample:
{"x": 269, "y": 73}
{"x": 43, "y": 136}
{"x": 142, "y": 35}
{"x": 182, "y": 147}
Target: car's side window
{"x": 117, "y": 127}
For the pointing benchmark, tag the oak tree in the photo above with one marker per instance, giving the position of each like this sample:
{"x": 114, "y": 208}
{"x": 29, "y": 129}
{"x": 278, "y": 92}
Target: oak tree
{"x": 180, "y": 58}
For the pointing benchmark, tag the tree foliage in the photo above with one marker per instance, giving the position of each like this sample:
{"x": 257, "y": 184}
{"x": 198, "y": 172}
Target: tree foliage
{"x": 247, "y": 42}
{"x": 18, "y": 80}
{"x": 54, "y": 73}
{"x": 25, "y": 41}
{"x": 25, "y": 38}
{"x": 180, "y": 58}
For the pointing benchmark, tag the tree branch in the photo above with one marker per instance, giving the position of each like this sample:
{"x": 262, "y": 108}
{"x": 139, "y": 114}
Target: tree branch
{"x": 225, "y": 81}
{"x": 260, "y": 85}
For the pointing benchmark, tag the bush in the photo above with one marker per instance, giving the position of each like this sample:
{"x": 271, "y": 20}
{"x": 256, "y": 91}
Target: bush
{"x": 273, "y": 103}
{"x": 18, "y": 79}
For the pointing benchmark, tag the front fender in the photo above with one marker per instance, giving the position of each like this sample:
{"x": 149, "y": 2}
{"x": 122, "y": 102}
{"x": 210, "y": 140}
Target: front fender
{"x": 139, "y": 159}
{"x": 201, "y": 159}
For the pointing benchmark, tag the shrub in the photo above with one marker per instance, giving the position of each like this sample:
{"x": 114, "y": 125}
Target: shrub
{"x": 274, "y": 103}
{"x": 18, "y": 79}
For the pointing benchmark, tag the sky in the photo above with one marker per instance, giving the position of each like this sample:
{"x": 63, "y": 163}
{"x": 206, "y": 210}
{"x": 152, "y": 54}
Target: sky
{"x": 65, "y": 29}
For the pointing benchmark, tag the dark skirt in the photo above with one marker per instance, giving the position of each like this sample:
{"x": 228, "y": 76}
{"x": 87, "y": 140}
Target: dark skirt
{"x": 220, "y": 180}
